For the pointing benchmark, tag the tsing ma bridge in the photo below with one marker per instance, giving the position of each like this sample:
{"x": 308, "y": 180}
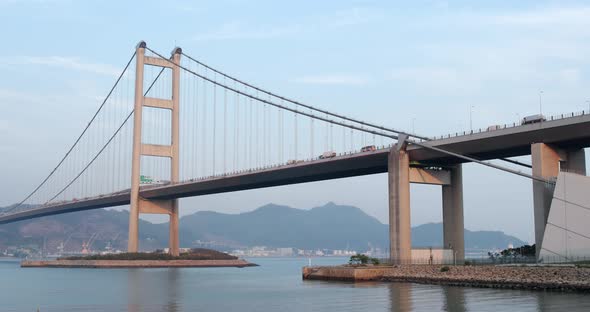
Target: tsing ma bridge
{"x": 174, "y": 127}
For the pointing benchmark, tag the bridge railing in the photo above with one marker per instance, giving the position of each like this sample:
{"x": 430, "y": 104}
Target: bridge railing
{"x": 509, "y": 125}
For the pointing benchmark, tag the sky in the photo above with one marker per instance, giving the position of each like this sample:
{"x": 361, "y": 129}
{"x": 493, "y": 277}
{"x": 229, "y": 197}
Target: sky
{"x": 424, "y": 66}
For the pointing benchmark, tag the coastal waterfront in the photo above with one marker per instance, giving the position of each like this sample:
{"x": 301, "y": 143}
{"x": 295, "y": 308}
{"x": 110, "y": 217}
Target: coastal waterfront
{"x": 275, "y": 285}
{"x": 556, "y": 277}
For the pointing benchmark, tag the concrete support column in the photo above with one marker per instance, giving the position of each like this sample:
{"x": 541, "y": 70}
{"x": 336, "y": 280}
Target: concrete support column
{"x": 453, "y": 227}
{"x": 173, "y": 241}
{"x": 133, "y": 241}
{"x": 545, "y": 161}
{"x": 400, "y": 240}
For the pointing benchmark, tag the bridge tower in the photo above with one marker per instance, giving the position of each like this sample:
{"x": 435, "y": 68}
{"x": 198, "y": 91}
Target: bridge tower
{"x": 138, "y": 204}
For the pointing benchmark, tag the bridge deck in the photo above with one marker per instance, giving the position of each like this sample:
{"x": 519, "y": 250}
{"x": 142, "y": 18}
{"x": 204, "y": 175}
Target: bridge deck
{"x": 507, "y": 142}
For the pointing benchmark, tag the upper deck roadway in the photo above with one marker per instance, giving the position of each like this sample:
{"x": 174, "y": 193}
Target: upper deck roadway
{"x": 513, "y": 141}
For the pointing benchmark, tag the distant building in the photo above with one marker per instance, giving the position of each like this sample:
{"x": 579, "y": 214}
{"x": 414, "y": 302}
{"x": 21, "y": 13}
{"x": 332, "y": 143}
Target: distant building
{"x": 285, "y": 252}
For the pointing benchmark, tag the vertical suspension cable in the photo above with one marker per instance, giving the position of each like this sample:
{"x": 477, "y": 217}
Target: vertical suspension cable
{"x": 245, "y": 136}
{"x": 282, "y": 132}
{"x": 311, "y": 154}
{"x": 343, "y": 139}
{"x": 224, "y": 127}
{"x": 214, "y": 144}
{"x": 351, "y": 141}
{"x": 204, "y": 126}
{"x": 236, "y": 126}
{"x": 327, "y": 138}
{"x": 251, "y": 139}
{"x": 195, "y": 102}
{"x": 331, "y": 138}
{"x": 256, "y": 131}
{"x": 295, "y": 150}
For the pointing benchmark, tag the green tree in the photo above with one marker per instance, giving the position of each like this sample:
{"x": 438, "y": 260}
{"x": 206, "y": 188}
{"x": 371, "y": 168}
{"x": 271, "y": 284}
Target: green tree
{"x": 359, "y": 259}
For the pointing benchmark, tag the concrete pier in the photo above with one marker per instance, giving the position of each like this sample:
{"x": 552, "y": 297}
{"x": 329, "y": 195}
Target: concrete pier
{"x": 399, "y": 204}
{"x": 453, "y": 228}
{"x": 547, "y": 161}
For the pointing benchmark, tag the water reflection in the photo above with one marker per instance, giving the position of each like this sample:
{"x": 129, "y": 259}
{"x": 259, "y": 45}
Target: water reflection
{"x": 174, "y": 292}
{"x": 454, "y": 299}
{"x": 400, "y": 297}
{"x": 154, "y": 290}
{"x": 133, "y": 290}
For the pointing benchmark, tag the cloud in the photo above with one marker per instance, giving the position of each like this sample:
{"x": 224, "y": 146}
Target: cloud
{"x": 32, "y": 3}
{"x": 64, "y": 62}
{"x": 546, "y": 18}
{"x": 238, "y": 30}
{"x": 350, "y": 80}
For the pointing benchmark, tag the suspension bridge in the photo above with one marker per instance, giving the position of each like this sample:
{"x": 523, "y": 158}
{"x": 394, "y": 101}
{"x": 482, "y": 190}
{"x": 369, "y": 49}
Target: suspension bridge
{"x": 174, "y": 127}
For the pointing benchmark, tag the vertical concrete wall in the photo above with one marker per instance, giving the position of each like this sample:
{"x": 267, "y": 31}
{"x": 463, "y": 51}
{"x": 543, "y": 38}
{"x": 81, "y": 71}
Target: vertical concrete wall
{"x": 567, "y": 232}
{"x": 399, "y": 205}
{"x": 576, "y": 161}
{"x": 453, "y": 224}
{"x": 547, "y": 162}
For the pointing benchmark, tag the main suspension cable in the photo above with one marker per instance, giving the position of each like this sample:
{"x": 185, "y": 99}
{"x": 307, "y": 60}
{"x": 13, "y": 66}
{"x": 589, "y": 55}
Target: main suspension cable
{"x": 79, "y": 137}
{"x": 364, "y": 123}
{"x": 365, "y": 130}
{"x": 107, "y": 143}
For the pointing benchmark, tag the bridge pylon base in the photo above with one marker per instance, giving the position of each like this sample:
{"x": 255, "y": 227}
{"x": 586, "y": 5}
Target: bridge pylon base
{"x": 169, "y": 207}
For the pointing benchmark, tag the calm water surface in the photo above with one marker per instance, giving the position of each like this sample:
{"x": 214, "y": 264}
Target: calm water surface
{"x": 274, "y": 286}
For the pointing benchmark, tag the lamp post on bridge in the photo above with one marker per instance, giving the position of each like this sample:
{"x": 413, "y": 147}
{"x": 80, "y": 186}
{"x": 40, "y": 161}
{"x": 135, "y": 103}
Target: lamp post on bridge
{"x": 540, "y": 103}
{"x": 471, "y": 107}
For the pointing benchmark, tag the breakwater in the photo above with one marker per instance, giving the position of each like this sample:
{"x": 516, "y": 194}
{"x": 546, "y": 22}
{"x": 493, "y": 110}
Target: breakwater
{"x": 564, "y": 278}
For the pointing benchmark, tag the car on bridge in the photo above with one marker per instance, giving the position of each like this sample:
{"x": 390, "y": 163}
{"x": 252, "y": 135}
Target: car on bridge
{"x": 533, "y": 119}
{"x": 328, "y": 154}
{"x": 368, "y": 148}
{"x": 293, "y": 161}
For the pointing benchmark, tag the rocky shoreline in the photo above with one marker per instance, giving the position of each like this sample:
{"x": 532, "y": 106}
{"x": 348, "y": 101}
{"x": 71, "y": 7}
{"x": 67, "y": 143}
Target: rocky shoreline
{"x": 114, "y": 264}
{"x": 559, "y": 278}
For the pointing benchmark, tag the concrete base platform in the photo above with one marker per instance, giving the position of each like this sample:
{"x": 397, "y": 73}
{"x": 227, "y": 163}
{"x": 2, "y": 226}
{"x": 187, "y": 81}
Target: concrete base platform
{"x": 113, "y": 264}
{"x": 562, "y": 278}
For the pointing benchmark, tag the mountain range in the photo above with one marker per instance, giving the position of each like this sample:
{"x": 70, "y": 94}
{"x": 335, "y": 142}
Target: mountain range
{"x": 330, "y": 226}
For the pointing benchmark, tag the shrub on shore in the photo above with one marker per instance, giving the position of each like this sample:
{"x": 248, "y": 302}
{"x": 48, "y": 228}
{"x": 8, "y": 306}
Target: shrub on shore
{"x": 194, "y": 254}
{"x": 363, "y": 260}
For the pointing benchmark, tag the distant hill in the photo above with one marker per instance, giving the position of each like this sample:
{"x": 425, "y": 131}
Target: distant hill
{"x": 430, "y": 234}
{"x": 330, "y": 226}
{"x": 72, "y": 229}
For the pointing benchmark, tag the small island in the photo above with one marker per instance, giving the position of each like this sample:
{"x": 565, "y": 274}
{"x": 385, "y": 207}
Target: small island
{"x": 195, "y": 258}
